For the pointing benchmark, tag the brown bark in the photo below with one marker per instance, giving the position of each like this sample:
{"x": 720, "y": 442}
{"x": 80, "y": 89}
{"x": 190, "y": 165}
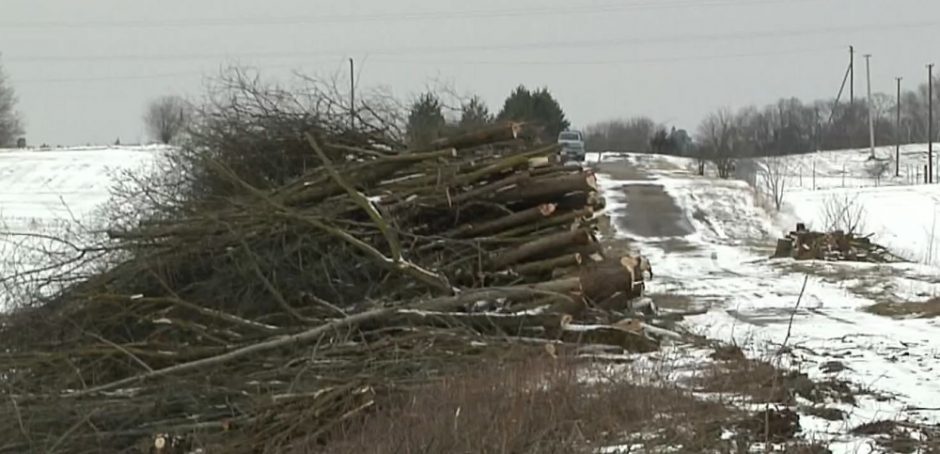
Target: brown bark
{"x": 482, "y": 191}
{"x": 549, "y": 188}
{"x": 593, "y": 252}
{"x": 576, "y": 218}
{"x": 544, "y": 266}
{"x": 603, "y": 280}
{"x": 507, "y": 324}
{"x": 505, "y": 222}
{"x": 497, "y": 133}
{"x": 540, "y": 246}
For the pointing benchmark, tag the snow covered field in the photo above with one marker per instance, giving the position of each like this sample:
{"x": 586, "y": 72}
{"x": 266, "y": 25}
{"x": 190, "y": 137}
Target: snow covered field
{"x": 901, "y": 212}
{"x": 854, "y": 168}
{"x": 752, "y": 298}
{"x": 55, "y": 193}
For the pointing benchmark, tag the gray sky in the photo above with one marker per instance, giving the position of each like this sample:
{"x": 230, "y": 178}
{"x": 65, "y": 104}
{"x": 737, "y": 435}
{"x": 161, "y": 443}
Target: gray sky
{"x": 84, "y": 70}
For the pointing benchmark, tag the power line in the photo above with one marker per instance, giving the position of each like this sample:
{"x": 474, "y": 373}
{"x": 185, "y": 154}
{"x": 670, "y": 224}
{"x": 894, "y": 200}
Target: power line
{"x": 394, "y": 16}
{"x": 559, "y": 62}
{"x": 564, "y": 62}
{"x": 549, "y": 45}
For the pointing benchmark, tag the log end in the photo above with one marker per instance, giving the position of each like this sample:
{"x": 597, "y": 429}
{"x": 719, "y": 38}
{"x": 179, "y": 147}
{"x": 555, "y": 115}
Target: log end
{"x": 547, "y": 209}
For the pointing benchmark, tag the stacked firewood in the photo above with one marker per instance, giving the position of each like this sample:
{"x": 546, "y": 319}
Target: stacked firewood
{"x": 803, "y": 244}
{"x": 273, "y": 317}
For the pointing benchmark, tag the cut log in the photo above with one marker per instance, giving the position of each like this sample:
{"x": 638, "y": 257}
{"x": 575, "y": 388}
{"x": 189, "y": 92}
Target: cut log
{"x": 506, "y": 324}
{"x": 522, "y": 217}
{"x": 480, "y": 192}
{"x": 577, "y": 218}
{"x": 601, "y": 281}
{"x": 548, "y": 188}
{"x": 579, "y": 200}
{"x": 546, "y": 266}
{"x": 498, "y": 133}
{"x": 593, "y": 252}
{"x": 542, "y": 245}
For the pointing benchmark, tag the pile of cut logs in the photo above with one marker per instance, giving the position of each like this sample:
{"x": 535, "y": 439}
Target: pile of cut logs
{"x": 803, "y": 244}
{"x": 233, "y": 323}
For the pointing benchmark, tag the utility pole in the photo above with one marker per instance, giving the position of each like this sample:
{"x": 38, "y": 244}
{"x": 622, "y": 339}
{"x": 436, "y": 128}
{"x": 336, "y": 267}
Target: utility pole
{"x": 930, "y": 123}
{"x": 897, "y": 150}
{"x": 352, "y": 93}
{"x": 852, "y": 76}
{"x": 871, "y": 107}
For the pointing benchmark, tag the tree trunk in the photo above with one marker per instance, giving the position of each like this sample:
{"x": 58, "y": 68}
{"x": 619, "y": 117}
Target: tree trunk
{"x": 546, "y": 266}
{"x": 548, "y": 188}
{"x": 497, "y": 133}
{"x": 497, "y": 225}
{"x": 555, "y": 242}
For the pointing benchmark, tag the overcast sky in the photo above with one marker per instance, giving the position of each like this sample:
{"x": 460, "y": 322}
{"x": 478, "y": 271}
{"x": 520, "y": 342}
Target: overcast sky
{"x": 84, "y": 70}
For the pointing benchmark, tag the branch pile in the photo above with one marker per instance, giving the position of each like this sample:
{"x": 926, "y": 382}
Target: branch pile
{"x": 802, "y": 244}
{"x": 272, "y": 318}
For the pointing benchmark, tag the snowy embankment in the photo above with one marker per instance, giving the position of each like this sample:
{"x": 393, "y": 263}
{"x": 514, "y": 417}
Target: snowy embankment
{"x": 48, "y": 196}
{"x": 751, "y": 298}
{"x": 855, "y": 169}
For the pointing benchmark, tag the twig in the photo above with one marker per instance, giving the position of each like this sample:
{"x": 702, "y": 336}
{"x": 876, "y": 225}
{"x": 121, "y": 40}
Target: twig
{"x": 793, "y": 313}
{"x": 273, "y": 291}
{"x": 359, "y": 199}
{"x": 271, "y": 344}
{"x": 132, "y": 356}
{"x": 69, "y": 432}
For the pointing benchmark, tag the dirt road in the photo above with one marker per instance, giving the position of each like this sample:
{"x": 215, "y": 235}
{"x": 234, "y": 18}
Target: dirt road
{"x": 752, "y": 300}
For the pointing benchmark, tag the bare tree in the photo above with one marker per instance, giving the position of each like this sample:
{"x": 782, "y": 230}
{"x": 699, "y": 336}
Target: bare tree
{"x": 166, "y": 118}
{"x": 10, "y": 125}
{"x": 718, "y": 141}
{"x": 773, "y": 178}
{"x": 632, "y": 135}
{"x": 843, "y": 212}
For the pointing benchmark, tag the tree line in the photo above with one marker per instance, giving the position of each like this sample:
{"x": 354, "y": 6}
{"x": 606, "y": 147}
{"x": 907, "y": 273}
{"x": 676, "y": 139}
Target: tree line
{"x": 788, "y": 126}
{"x": 428, "y": 116}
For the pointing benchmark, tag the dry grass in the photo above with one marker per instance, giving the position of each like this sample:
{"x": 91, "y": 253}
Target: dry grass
{"x": 761, "y": 382}
{"x": 540, "y": 405}
{"x": 901, "y": 437}
{"x": 926, "y": 309}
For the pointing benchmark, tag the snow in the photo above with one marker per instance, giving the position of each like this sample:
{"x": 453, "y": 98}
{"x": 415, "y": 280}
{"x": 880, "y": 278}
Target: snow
{"x": 752, "y": 298}
{"x": 47, "y": 194}
{"x": 62, "y": 184}
{"x": 854, "y": 168}
{"x": 901, "y": 212}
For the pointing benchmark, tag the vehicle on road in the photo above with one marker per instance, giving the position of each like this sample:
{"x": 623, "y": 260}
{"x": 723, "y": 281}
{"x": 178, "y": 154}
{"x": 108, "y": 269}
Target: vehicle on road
{"x": 572, "y": 145}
